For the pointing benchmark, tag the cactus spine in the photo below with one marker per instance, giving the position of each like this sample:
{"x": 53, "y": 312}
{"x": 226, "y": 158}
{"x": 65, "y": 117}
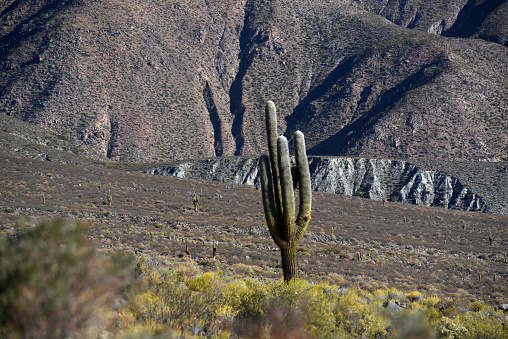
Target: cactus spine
{"x": 277, "y": 186}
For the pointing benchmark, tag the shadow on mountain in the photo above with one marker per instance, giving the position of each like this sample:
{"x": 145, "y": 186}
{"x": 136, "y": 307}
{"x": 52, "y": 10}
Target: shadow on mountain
{"x": 470, "y": 19}
{"x": 346, "y": 139}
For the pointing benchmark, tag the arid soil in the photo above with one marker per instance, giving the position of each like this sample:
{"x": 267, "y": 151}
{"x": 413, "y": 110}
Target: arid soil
{"x": 350, "y": 241}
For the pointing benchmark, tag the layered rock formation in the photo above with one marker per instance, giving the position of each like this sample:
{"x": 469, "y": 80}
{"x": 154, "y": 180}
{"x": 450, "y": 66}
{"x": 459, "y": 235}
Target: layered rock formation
{"x": 378, "y": 179}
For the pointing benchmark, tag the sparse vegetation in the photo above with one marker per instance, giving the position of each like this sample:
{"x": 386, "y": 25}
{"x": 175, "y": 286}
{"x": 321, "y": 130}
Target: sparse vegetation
{"x": 44, "y": 300}
{"x": 331, "y": 64}
{"x": 394, "y": 254}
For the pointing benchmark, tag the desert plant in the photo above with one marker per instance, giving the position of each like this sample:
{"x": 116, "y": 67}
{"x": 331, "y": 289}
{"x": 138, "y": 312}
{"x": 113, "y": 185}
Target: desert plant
{"x": 277, "y": 184}
{"x": 109, "y": 198}
{"x": 53, "y": 281}
{"x": 161, "y": 299}
{"x": 195, "y": 199}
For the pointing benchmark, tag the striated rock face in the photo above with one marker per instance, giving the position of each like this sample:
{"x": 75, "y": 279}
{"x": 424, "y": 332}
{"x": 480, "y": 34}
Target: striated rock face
{"x": 377, "y": 179}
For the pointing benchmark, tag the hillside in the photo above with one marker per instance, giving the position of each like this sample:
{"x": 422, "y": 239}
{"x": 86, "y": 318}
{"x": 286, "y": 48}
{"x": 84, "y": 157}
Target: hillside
{"x": 150, "y": 81}
{"x": 454, "y": 18}
{"x": 466, "y": 186}
{"x": 437, "y": 251}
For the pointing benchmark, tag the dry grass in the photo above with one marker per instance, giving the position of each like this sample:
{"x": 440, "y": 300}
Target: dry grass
{"x": 350, "y": 241}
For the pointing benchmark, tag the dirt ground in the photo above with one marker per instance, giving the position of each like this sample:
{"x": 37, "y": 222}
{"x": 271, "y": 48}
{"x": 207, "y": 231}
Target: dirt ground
{"x": 349, "y": 241}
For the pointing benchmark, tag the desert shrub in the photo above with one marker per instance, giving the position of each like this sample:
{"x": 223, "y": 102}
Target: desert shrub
{"x": 161, "y": 300}
{"x": 358, "y": 317}
{"x": 432, "y": 314}
{"x": 414, "y": 296}
{"x": 320, "y": 313}
{"x": 214, "y": 305}
{"x": 332, "y": 249}
{"x": 478, "y": 306}
{"x": 475, "y": 324}
{"x": 487, "y": 324}
{"x": 394, "y": 294}
{"x": 449, "y": 329}
{"x": 247, "y": 297}
{"x": 291, "y": 295}
{"x": 52, "y": 281}
{"x": 208, "y": 282}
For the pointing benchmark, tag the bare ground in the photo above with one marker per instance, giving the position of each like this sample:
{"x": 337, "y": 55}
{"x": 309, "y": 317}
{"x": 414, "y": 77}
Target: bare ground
{"x": 350, "y": 241}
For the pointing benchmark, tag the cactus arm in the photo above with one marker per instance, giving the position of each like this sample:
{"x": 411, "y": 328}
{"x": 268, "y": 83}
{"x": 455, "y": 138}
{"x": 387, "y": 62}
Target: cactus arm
{"x": 268, "y": 199}
{"x": 271, "y": 135}
{"x": 302, "y": 166}
{"x": 294, "y": 175}
{"x": 288, "y": 194}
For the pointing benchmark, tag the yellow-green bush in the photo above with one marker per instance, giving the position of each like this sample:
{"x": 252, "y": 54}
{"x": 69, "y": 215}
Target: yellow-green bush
{"x": 160, "y": 299}
{"x": 247, "y": 297}
{"x": 52, "y": 281}
{"x": 488, "y": 323}
{"x": 250, "y": 308}
{"x": 358, "y": 316}
{"x": 206, "y": 282}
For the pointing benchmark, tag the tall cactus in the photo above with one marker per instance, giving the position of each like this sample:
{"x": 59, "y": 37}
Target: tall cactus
{"x": 277, "y": 184}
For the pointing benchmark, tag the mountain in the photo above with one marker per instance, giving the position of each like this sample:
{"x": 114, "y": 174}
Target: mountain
{"x": 155, "y": 80}
{"x": 453, "y": 18}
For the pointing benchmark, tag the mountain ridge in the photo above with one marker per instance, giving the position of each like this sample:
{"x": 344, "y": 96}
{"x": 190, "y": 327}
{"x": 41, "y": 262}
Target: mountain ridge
{"x": 131, "y": 82}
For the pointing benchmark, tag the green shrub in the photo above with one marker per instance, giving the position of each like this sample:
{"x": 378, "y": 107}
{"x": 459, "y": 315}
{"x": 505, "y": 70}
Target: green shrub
{"x": 161, "y": 300}
{"x": 207, "y": 282}
{"x": 247, "y": 297}
{"x": 214, "y": 305}
{"x": 449, "y": 329}
{"x": 52, "y": 281}
{"x": 478, "y": 325}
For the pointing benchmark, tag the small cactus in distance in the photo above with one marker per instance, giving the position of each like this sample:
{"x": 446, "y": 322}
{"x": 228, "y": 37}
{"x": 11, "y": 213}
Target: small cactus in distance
{"x": 195, "y": 199}
{"x": 277, "y": 186}
{"x": 109, "y": 198}
{"x": 187, "y": 248}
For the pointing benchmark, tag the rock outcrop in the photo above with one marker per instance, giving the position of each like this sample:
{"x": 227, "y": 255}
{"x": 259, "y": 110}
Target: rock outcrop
{"x": 378, "y": 179}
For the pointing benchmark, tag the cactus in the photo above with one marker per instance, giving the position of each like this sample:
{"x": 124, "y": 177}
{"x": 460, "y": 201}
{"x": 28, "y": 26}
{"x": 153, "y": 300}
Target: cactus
{"x": 195, "y": 199}
{"x": 109, "y": 197}
{"x": 277, "y": 185}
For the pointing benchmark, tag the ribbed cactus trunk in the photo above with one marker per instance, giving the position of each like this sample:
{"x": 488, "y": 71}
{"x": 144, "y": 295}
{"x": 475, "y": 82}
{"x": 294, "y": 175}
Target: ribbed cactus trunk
{"x": 290, "y": 260}
{"x": 277, "y": 179}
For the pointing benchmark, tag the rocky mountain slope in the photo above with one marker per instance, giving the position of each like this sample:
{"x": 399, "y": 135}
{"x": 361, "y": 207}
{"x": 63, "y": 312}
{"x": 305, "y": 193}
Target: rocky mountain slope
{"x": 378, "y": 179}
{"x": 155, "y": 81}
{"x": 454, "y": 18}
{"x": 473, "y": 186}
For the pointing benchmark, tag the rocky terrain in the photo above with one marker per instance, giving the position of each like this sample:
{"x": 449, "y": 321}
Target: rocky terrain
{"x": 455, "y": 18}
{"x": 476, "y": 186}
{"x": 350, "y": 241}
{"x": 401, "y": 101}
{"x": 368, "y": 178}
{"x": 144, "y": 81}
